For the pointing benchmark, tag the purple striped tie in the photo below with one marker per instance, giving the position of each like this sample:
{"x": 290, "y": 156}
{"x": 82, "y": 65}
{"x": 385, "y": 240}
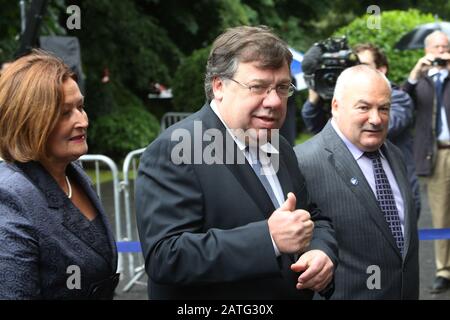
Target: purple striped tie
{"x": 386, "y": 199}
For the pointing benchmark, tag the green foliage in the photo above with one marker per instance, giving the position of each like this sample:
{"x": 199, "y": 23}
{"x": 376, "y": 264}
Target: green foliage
{"x": 303, "y": 137}
{"x": 119, "y": 122}
{"x": 122, "y": 131}
{"x": 9, "y": 29}
{"x": 145, "y": 41}
{"x": 134, "y": 48}
{"x": 394, "y": 24}
{"x": 99, "y": 98}
{"x": 122, "y": 126}
{"x": 10, "y": 25}
{"x": 233, "y": 13}
{"x": 188, "y": 84}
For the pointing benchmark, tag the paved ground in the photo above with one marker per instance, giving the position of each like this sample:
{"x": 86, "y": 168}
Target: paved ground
{"x": 426, "y": 256}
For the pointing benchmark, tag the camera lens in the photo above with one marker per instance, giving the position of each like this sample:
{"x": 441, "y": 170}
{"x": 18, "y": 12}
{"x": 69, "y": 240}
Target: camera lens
{"x": 330, "y": 79}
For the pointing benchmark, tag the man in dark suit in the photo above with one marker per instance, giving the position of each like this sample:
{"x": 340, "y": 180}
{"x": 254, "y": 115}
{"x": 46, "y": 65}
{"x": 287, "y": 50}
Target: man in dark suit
{"x": 315, "y": 116}
{"x": 212, "y": 213}
{"x": 429, "y": 86}
{"x": 359, "y": 180}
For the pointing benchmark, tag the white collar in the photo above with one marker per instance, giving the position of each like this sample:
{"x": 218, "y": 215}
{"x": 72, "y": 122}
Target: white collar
{"x": 434, "y": 71}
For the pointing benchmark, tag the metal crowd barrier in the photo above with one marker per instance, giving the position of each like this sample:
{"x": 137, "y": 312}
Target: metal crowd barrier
{"x": 171, "y": 118}
{"x": 136, "y": 272}
{"x": 97, "y": 159}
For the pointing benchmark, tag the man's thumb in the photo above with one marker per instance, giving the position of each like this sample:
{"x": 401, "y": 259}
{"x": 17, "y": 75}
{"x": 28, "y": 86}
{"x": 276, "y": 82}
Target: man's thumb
{"x": 290, "y": 203}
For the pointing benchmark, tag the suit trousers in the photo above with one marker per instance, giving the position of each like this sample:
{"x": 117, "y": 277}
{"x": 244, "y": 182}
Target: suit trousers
{"x": 438, "y": 185}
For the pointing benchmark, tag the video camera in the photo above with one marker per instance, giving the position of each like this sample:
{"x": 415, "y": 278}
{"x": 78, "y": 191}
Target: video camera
{"x": 323, "y": 63}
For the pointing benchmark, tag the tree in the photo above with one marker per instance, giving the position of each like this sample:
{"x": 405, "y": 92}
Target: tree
{"x": 394, "y": 24}
{"x": 188, "y": 89}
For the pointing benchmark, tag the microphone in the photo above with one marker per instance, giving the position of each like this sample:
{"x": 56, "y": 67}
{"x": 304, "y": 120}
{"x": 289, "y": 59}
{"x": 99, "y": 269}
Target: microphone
{"x": 311, "y": 59}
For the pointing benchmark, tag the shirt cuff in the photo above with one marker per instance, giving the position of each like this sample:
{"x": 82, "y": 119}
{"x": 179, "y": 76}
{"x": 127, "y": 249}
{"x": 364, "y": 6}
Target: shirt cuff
{"x": 277, "y": 252}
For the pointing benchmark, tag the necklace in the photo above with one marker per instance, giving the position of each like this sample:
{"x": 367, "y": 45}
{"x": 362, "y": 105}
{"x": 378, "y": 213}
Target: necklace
{"x": 69, "y": 194}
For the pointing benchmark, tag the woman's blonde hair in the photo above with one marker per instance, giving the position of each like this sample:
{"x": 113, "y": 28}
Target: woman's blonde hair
{"x": 31, "y": 97}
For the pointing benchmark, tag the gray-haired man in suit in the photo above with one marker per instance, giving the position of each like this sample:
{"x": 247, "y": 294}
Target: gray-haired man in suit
{"x": 359, "y": 180}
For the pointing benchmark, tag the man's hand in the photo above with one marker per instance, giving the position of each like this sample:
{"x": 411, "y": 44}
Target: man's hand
{"x": 317, "y": 270}
{"x": 291, "y": 229}
{"x": 421, "y": 66}
{"x": 313, "y": 97}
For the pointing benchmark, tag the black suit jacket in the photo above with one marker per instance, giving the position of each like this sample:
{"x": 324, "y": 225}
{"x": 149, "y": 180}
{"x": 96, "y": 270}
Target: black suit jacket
{"x": 339, "y": 187}
{"x": 203, "y": 228}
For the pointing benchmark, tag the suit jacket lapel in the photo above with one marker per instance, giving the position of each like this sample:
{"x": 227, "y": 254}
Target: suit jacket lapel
{"x": 105, "y": 251}
{"x": 285, "y": 178}
{"x": 353, "y": 178}
{"x": 233, "y": 160}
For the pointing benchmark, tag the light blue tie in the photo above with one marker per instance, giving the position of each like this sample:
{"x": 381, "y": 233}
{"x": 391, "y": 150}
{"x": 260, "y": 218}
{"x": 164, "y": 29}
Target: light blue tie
{"x": 257, "y": 168}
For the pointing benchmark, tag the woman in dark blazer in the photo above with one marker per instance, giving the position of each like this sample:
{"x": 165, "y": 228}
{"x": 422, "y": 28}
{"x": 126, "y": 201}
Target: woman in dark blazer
{"x": 55, "y": 240}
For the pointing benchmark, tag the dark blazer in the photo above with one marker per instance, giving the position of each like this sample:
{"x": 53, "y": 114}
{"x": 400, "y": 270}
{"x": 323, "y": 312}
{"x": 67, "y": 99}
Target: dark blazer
{"x": 425, "y": 147}
{"x": 399, "y": 133}
{"x": 42, "y": 233}
{"x": 363, "y": 235}
{"x": 203, "y": 228}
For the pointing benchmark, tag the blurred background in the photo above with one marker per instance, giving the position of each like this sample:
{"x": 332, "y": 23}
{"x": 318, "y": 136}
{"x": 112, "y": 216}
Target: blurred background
{"x": 142, "y": 58}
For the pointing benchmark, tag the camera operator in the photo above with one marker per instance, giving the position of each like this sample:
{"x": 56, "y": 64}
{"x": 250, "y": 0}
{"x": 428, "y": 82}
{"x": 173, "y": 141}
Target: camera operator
{"x": 315, "y": 113}
{"x": 322, "y": 64}
{"x": 429, "y": 87}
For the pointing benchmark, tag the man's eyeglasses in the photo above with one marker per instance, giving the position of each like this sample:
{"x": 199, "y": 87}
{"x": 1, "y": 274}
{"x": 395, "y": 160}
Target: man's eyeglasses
{"x": 283, "y": 90}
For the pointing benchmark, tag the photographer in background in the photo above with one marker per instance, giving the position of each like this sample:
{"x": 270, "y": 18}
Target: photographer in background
{"x": 429, "y": 87}
{"x": 315, "y": 116}
{"x": 322, "y": 64}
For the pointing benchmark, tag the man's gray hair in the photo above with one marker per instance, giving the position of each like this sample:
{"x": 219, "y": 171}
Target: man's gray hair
{"x": 348, "y": 74}
{"x": 429, "y": 37}
{"x": 244, "y": 44}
